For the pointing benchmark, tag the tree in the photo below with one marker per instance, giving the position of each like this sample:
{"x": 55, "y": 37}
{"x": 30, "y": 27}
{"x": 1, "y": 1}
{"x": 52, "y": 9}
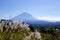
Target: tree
{"x": 31, "y": 28}
{"x": 42, "y": 30}
{"x": 51, "y": 30}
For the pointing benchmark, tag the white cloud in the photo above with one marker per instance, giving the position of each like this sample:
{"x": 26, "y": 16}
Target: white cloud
{"x": 49, "y": 18}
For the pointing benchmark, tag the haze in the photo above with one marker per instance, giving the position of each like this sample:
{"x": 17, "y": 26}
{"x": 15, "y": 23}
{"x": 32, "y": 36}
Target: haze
{"x": 37, "y": 8}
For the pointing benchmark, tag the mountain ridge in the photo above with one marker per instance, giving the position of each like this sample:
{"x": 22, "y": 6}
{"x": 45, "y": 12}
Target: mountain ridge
{"x": 26, "y": 17}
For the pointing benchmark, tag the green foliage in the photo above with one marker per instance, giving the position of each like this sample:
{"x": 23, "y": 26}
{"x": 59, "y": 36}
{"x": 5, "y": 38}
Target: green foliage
{"x": 42, "y": 29}
{"x": 51, "y": 30}
{"x": 13, "y": 36}
{"x": 16, "y": 36}
{"x": 19, "y": 33}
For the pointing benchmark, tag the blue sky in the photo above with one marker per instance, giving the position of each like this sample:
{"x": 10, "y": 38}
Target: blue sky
{"x": 38, "y": 8}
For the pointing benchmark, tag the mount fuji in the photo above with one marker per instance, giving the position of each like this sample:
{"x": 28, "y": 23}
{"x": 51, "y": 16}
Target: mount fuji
{"x": 26, "y": 17}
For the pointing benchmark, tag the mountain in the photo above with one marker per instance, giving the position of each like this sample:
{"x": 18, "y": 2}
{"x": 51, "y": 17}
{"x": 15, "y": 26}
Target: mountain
{"x": 26, "y": 17}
